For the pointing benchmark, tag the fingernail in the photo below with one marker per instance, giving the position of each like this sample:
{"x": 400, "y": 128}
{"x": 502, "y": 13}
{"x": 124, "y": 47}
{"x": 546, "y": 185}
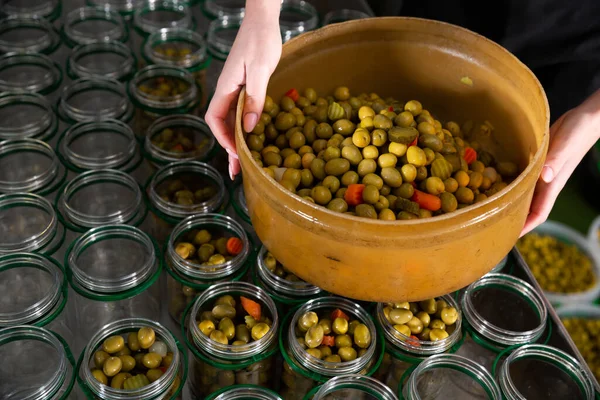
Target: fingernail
{"x": 231, "y": 154}
{"x": 230, "y": 170}
{"x": 547, "y": 174}
{"x": 250, "y": 120}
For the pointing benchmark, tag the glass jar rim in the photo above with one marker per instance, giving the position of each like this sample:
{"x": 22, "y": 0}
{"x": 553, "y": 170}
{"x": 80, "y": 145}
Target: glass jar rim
{"x": 195, "y": 272}
{"x": 50, "y": 10}
{"x": 89, "y": 285}
{"x": 218, "y": 46}
{"x": 495, "y": 334}
{"x": 44, "y": 183}
{"x": 365, "y": 384}
{"x": 213, "y": 10}
{"x": 292, "y": 28}
{"x": 326, "y": 368}
{"x": 65, "y": 358}
{"x": 280, "y": 285}
{"x": 239, "y": 202}
{"x": 457, "y": 363}
{"x": 146, "y": 27}
{"x": 563, "y": 361}
{"x": 179, "y": 211}
{"x": 154, "y": 103}
{"x": 162, "y": 157}
{"x": 344, "y": 14}
{"x": 194, "y": 61}
{"x": 46, "y": 45}
{"x": 203, "y": 343}
{"x": 123, "y": 7}
{"x": 51, "y": 78}
{"x": 120, "y": 72}
{"x": 84, "y": 163}
{"x": 243, "y": 392}
{"x": 154, "y": 389}
{"x": 419, "y": 347}
{"x": 72, "y": 37}
{"x": 42, "y": 128}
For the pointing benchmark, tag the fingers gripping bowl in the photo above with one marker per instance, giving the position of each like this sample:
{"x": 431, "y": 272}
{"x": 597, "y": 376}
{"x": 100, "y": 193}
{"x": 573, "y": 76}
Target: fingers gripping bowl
{"x": 407, "y": 260}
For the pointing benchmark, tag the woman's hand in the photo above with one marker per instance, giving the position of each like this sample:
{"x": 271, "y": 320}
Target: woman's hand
{"x": 252, "y": 60}
{"x": 571, "y": 137}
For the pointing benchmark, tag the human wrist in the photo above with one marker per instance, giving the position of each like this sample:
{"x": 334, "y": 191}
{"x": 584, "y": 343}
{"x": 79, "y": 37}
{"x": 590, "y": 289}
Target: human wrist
{"x": 263, "y": 11}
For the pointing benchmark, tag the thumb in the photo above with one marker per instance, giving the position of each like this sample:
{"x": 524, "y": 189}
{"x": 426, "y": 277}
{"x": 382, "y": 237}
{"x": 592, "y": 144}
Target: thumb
{"x": 557, "y": 156}
{"x": 257, "y": 80}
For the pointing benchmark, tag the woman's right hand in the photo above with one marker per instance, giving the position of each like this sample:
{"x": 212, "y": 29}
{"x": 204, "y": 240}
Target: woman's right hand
{"x": 252, "y": 60}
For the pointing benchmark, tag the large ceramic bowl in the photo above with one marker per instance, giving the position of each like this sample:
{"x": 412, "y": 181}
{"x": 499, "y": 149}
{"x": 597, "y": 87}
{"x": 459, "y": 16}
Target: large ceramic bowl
{"x": 405, "y": 58}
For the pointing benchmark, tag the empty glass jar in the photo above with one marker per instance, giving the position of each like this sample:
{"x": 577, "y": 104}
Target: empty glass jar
{"x": 36, "y": 364}
{"x": 47, "y": 9}
{"x": 93, "y": 24}
{"x": 30, "y": 165}
{"x": 112, "y": 60}
{"x": 28, "y": 35}
{"x": 113, "y": 270}
{"x": 241, "y": 392}
{"x": 297, "y": 17}
{"x": 33, "y": 291}
{"x": 124, "y": 7}
{"x": 188, "y": 276}
{"x": 220, "y": 37}
{"x": 443, "y": 375}
{"x": 216, "y": 365}
{"x": 166, "y": 387}
{"x": 358, "y": 387}
{"x": 223, "y": 8}
{"x": 26, "y": 115}
{"x": 30, "y": 73}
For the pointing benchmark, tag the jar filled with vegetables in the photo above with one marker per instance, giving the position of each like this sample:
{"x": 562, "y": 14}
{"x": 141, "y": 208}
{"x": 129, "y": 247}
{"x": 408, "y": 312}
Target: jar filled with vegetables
{"x": 46, "y": 9}
{"x": 36, "y": 363}
{"x": 27, "y": 115}
{"x": 30, "y": 166}
{"x": 181, "y": 48}
{"x": 93, "y": 24}
{"x": 28, "y": 223}
{"x": 33, "y": 291}
{"x": 112, "y": 60}
{"x": 28, "y": 35}
{"x": 113, "y": 270}
{"x": 240, "y": 392}
{"x": 220, "y": 37}
{"x": 324, "y": 338}
{"x": 352, "y": 386}
{"x": 182, "y": 189}
{"x": 201, "y": 251}
{"x": 524, "y": 374}
{"x": 297, "y": 17}
{"x": 132, "y": 358}
{"x": 582, "y": 322}
{"x": 443, "y": 376}
{"x": 416, "y": 331}
{"x": 286, "y": 289}
{"x": 30, "y": 73}
{"x": 500, "y": 311}
{"x": 104, "y": 144}
{"x": 232, "y": 335}
{"x": 159, "y": 90}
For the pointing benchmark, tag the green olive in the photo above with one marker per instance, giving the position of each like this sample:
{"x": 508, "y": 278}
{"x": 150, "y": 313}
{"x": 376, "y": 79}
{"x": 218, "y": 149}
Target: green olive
{"x": 429, "y": 306}
{"x": 314, "y": 336}
{"x": 370, "y": 194}
{"x": 404, "y": 119}
{"x": 221, "y": 311}
{"x": 391, "y": 176}
{"x": 449, "y": 315}
{"x": 325, "y": 351}
{"x": 285, "y": 121}
{"x": 449, "y": 202}
{"x": 152, "y": 360}
{"x": 340, "y": 326}
{"x": 334, "y": 358}
{"x": 373, "y": 179}
{"x": 464, "y": 195}
{"x": 218, "y": 337}
{"x": 361, "y": 138}
{"x": 128, "y": 363}
{"x": 347, "y": 353}
{"x": 437, "y": 334}
{"x": 366, "y": 211}
{"x": 367, "y": 166}
{"x": 259, "y": 330}
{"x": 424, "y": 317}
{"x": 315, "y": 353}
{"x": 414, "y": 107}
{"x": 430, "y": 141}
{"x": 113, "y": 344}
{"x": 343, "y": 341}
{"x": 416, "y": 156}
{"x": 349, "y": 178}
{"x": 326, "y": 325}
{"x": 437, "y": 324}
{"x": 153, "y": 374}
{"x": 337, "y": 166}
{"x": 317, "y": 167}
{"x": 100, "y": 357}
{"x": 99, "y": 376}
{"x": 338, "y": 205}
{"x": 321, "y": 195}
{"x": 117, "y": 381}
{"x": 323, "y": 130}
{"x": 352, "y": 154}
{"x": 227, "y": 326}
{"x": 112, "y": 366}
{"x": 133, "y": 342}
{"x": 307, "y": 320}
{"x": 400, "y": 316}
{"x": 343, "y": 126}
{"x": 403, "y": 329}
{"x": 382, "y": 122}
{"x": 362, "y": 336}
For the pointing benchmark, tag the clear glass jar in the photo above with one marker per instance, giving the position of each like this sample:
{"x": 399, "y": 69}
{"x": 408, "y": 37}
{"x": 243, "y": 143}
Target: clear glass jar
{"x": 167, "y": 136}
{"x": 535, "y": 371}
{"x": 187, "y": 278}
{"x": 286, "y": 292}
{"x": 36, "y": 364}
{"x": 168, "y": 387}
{"x": 301, "y": 371}
{"x": 102, "y": 144}
{"x": 158, "y": 90}
{"x": 93, "y": 24}
{"x": 244, "y": 392}
{"x": 113, "y": 270}
{"x": 26, "y": 115}
{"x": 500, "y": 311}
{"x": 215, "y": 365}
{"x": 220, "y": 37}
{"x": 28, "y": 35}
{"x": 181, "y": 48}
{"x": 47, "y": 9}
{"x": 112, "y": 60}
{"x": 402, "y": 352}
{"x": 342, "y": 15}
{"x": 357, "y": 387}
{"x": 33, "y": 291}
{"x": 165, "y": 209}
{"x": 123, "y": 7}
{"x": 214, "y": 9}
{"x": 155, "y": 15}
{"x": 89, "y": 99}
{"x": 31, "y": 166}
{"x": 297, "y": 17}
{"x": 442, "y": 376}
{"x": 29, "y": 73}
{"x": 28, "y": 223}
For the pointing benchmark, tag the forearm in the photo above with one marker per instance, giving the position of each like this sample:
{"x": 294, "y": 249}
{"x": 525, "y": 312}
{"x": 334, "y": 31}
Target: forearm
{"x": 263, "y": 11}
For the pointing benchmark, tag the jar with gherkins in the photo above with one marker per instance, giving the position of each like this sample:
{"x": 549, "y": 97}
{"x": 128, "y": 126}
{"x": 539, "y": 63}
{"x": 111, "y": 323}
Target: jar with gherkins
{"x": 286, "y": 289}
{"x": 240, "y": 392}
{"x": 182, "y": 48}
{"x": 182, "y": 189}
{"x": 161, "y": 90}
{"x": 133, "y": 358}
{"x": 352, "y": 386}
{"x": 327, "y": 337}
{"x": 203, "y": 250}
{"x": 415, "y": 331}
{"x": 232, "y": 336}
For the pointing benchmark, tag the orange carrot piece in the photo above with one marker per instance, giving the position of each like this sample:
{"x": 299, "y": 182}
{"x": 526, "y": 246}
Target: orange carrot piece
{"x": 293, "y": 94}
{"x": 470, "y": 155}
{"x": 337, "y": 313}
{"x": 353, "y": 195}
{"x": 413, "y": 340}
{"x": 414, "y": 142}
{"x": 251, "y": 307}
{"x": 328, "y": 341}
{"x": 426, "y": 200}
{"x": 178, "y": 147}
{"x": 234, "y": 246}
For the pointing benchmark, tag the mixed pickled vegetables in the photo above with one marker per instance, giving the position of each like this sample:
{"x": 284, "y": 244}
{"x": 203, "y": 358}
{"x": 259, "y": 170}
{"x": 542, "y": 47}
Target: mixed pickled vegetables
{"x": 180, "y": 140}
{"x": 585, "y": 333}
{"x": 187, "y": 189}
{"x": 207, "y": 248}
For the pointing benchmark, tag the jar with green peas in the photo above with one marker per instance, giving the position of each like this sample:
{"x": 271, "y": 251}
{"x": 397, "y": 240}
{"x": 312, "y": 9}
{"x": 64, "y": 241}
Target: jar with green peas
{"x": 132, "y": 358}
{"x": 416, "y": 331}
{"x": 352, "y": 386}
{"x": 199, "y": 240}
{"x": 239, "y": 392}
{"x": 232, "y": 336}
{"x": 327, "y": 337}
